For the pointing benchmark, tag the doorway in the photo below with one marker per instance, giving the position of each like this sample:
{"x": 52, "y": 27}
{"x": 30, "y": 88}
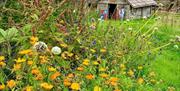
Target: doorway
{"x": 112, "y": 11}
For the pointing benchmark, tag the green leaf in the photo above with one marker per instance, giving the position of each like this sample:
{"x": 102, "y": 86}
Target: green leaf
{"x": 2, "y": 33}
{"x": 27, "y": 27}
{"x": 11, "y": 32}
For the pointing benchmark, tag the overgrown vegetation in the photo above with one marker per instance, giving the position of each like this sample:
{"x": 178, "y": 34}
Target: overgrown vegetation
{"x": 61, "y": 45}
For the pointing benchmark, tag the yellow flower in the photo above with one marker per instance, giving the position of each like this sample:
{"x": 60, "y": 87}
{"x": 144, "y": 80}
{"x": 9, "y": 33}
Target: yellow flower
{"x": 102, "y": 69}
{"x": 130, "y": 73}
{"x": 46, "y": 86}
{"x": 89, "y": 76}
{"x": 55, "y": 75}
{"x": 63, "y": 45}
{"x": 16, "y": 67}
{"x": 171, "y": 89}
{"x": 103, "y": 50}
{"x": 20, "y": 60}
{"x": 77, "y": 57}
{"x": 153, "y": 81}
{"x": 29, "y": 62}
{"x": 23, "y": 52}
{"x": 122, "y": 66}
{"x": 80, "y": 68}
{"x": 11, "y": 83}
{"x": 28, "y": 88}
{"x": 140, "y": 67}
{"x": 152, "y": 74}
{"x": 117, "y": 90}
{"x": 33, "y": 40}
{"x": 2, "y": 87}
{"x": 51, "y": 69}
{"x": 140, "y": 81}
{"x": 70, "y": 54}
{"x": 2, "y": 64}
{"x": 97, "y": 88}
{"x": 86, "y": 62}
{"x": 95, "y": 63}
{"x": 2, "y": 58}
{"x": 43, "y": 59}
{"x": 75, "y": 86}
{"x": 103, "y": 75}
{"x": 64, "y": 55}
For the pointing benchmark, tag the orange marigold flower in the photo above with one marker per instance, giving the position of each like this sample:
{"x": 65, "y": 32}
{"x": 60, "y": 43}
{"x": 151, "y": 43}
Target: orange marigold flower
{"x": 113, "y": 79}
{"x": 71, "y": 75}
{"x": 89, "y": 76}
{"x": 75, "y": 86}
{"x": 39, "y": 77}
{"x": 16, "y": 67}
{"x": 29, "y": 62}
{"x": 2, "y": 87}
{"x": 55, "y": 75}
{"x": 46, "y": 86}
{"x": 67, "y": 82}
{"x": 35, "y": 71}
{"x": 11, "y": 83}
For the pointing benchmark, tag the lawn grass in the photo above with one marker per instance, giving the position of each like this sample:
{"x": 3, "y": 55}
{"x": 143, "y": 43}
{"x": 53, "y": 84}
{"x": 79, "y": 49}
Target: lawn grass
{"x": 167, "y": 64}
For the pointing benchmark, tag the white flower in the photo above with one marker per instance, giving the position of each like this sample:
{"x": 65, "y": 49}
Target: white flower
{"x": 74, "y": 11}
{"x": 40, "y": 46}
{"x": 56, "y": 50}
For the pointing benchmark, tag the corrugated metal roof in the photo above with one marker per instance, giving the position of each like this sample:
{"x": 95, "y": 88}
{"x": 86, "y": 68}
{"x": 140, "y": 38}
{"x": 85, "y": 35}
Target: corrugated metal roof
{"x": 141, "y": 3}
{"x": 133, "y": 3}
{"x": 113, "y": 1}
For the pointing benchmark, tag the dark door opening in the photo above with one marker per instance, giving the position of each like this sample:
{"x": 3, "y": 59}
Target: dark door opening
{"x": 112, "y": 11}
